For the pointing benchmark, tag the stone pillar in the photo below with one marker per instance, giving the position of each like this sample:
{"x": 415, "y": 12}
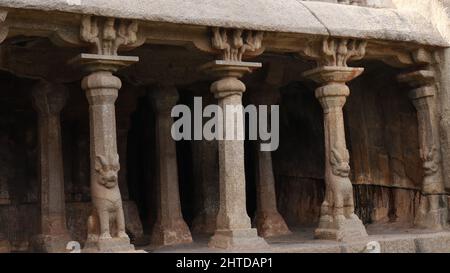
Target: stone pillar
{"x": 432, "y": 211}
{"x": 268, "y": 220}
{"x": 208, "y": 181}
{"x": 102, "y": 88}
{"x": 170, "y": 227}
{"x": 48, "y": 100}
{"x": 105, "y": 37}
{"x": 206, "y": 175}
{"x": 337, "y": 218}
{"x": 233, "y": 228}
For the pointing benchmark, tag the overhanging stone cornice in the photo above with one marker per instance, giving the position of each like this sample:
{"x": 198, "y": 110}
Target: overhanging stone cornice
{"x": 288, "y": 16}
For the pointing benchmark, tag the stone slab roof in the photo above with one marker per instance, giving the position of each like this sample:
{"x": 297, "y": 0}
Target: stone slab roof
{"x": 289, "y": 16}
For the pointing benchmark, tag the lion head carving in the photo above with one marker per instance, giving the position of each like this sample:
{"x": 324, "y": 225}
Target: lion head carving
{"x": 107, "y": 168}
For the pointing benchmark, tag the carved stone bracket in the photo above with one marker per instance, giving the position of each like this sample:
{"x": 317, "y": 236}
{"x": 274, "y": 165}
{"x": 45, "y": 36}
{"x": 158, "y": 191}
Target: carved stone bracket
{"x": 335, "y": 51}
{"x": 400, "y": 57}
{"x": 107, "y": 35}
{"x": 104, "y": 35}
{"x": 233, "y": 44}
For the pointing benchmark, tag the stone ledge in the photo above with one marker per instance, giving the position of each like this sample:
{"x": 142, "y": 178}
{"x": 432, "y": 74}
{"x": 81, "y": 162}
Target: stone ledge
{"x": 402, "y": 242}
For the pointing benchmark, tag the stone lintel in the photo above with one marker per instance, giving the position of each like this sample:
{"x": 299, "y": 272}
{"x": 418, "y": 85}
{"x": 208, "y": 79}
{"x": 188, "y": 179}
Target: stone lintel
{"x": 329, "y": 74}
{"x": 96, "y": 62}
{"x": 418, "y": 78}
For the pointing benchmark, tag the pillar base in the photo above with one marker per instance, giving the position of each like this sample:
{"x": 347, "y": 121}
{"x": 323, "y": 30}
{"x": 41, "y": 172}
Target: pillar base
{"x": 238, "y": 239}
{"x": 271, "y": 224}
{"x": 176, "y": 234}
{"x": 204, "y": 223}
{"x": 435, "y": 219}
{"x": 113, "y": 245}
{"x": 348, "y": 229}
{"x": 46, "y": 243}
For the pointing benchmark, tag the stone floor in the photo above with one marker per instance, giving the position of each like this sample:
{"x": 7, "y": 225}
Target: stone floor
{"x": 392, "y": 240}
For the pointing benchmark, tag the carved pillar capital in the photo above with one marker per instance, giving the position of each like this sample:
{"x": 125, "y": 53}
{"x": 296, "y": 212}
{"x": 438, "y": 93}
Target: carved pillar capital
{"x": 107, "y": 36}
{"x": 334, "y": 51}
{"x": 228, "y": 75}
{"x": 231, "y": 46}
{"x": 418, "y": 78}
{"x": 49, "y": 98}
{"x": 333, "y": 91}
{"x": 235, "y": 44}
